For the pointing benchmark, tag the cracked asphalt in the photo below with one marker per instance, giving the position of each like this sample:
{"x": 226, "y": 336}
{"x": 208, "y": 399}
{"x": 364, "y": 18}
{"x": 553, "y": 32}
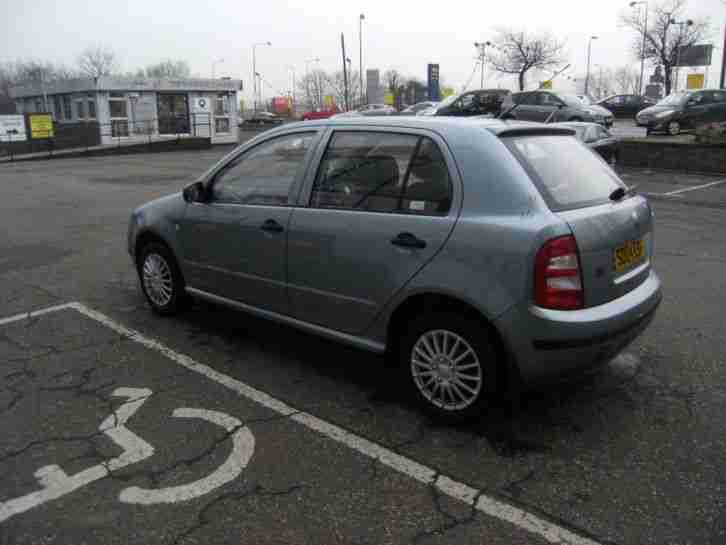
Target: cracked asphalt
{"x": 634, "y": 454}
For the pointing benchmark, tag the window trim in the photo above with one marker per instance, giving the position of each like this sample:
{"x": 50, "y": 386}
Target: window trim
{"x": 222, "y": 167}
{"x": 454, "y": 196}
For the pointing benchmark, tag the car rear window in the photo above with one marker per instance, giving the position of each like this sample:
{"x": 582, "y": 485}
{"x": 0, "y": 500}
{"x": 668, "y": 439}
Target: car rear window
{"x": 567, "y": 173}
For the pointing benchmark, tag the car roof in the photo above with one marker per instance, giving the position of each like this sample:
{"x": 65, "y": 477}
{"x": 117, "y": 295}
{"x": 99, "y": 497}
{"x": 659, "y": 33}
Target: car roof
{"x": 575, "y": 124}
{"x": 442, "y": 124}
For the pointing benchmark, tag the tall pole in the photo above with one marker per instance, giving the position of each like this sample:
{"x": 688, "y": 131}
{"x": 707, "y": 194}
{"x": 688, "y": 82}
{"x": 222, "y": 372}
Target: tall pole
{"x": 681, "y": 24}
{"x": 482, "y": 47}
{"x": 589, "y": 51}
{"x": 723, "y": 61}
{"x": 641, "y": 91}
{"x": 345, "y": 72}
{"x": 360, "y": 53}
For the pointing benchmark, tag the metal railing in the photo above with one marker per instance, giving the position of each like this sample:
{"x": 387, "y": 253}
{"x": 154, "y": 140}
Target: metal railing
{"x": 88, "y": 136}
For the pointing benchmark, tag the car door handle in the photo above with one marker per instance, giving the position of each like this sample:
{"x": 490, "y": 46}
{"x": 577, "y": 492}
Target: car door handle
{"x": 272, "y": 225}
{"x": 408, "y": 240}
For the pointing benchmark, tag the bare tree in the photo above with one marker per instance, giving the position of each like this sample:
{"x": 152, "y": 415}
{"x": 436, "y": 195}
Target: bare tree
{"x": 518, "y": 52}
{"x": 96, "y": 61}
{"x": 27, "y": 72}
{"x": 662, "y": 37}
{"x": 313, "y": 87}
{"x": 394, "y": 82}
{"x": 335, "y": 84}
{"x": 626, "y": 80}
{"x": 167, "y": 69}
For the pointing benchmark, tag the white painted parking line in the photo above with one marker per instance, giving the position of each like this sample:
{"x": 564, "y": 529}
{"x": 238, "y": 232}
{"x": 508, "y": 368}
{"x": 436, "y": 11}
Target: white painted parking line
{"x": 421, "y": 473}
{"x": 694, "y": 188}
{"x": 34, "y": 313}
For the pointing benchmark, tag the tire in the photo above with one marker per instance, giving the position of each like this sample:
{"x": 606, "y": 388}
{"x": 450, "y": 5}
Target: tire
{"x": 161, "y": 280}
{"x": 467, "y": 397}
{"x": 674, "y": 128}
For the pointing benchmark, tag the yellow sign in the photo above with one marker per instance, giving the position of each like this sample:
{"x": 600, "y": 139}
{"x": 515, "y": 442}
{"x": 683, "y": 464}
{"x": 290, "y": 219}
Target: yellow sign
{"x": 447, "y": 92}
{"x": 41, "y": 126}
{"x": 695, "y": 81}
{"x": 546, "y": 84}
{"x": 389, "y": 99}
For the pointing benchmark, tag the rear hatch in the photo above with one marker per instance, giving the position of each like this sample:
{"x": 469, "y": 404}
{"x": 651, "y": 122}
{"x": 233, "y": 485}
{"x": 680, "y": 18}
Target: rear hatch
{"x": 613, "y": 230}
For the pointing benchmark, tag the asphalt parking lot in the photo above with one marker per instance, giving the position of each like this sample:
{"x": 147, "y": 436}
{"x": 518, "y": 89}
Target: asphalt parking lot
{"x": 214, "y": 427}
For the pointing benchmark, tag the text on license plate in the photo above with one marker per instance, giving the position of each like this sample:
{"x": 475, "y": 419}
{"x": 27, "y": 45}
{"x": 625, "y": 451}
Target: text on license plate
{"x": 629, "y": 254}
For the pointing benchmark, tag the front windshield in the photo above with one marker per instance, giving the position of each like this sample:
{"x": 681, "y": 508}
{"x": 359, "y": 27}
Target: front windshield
{"x": 676, "y": 99}
{"x": 571, "y": 100}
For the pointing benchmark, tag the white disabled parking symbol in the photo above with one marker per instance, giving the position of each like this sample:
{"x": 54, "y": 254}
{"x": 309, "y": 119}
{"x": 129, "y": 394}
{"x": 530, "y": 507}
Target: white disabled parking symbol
{"x": 56, "y": 483}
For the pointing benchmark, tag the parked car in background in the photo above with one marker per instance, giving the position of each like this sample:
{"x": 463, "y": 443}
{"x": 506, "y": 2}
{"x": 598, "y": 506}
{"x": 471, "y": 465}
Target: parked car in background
{"x": 471, "y": 273}
{"x": 319, "y": 114}
{"x": 262, "y": 118}
{"x": 418, "y": 107}
{"x": 548, "y": 106}
{"x": 626, "y": 105}
{"x": 471, "y": 103}
{"x": 684, "y": 111}
{"x": 376, "y": 109}
{"x": 596, "y": 137}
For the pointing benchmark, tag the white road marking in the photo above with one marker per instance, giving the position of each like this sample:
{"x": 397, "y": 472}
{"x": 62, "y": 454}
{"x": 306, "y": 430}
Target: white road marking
{"x": 421, "y": 473}
{"x": 243, "y": 445}
{"x": 57, "y": 483}
{"x": 694, "y": 188}
{"x": 34, "y": 313}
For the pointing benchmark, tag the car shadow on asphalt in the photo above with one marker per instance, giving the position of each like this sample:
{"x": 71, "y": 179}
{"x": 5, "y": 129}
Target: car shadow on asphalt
{"x": 512, "y": 425}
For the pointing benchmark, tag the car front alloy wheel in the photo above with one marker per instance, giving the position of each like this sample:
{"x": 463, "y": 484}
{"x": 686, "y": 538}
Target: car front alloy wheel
{"x": 674, "y": 128}
{"x": 161, "y": 280}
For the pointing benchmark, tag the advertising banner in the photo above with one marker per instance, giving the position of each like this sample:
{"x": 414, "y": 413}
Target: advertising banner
{"x": 12, "y": 128}
{"x": 41, "y": 126}
{"x": 695, "y": 81}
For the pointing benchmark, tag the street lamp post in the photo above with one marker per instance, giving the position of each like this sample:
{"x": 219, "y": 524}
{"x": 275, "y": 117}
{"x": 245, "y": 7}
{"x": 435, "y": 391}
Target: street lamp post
{"x": 482, "y": 47}
{"x": 254, "y": 73}
{"x": 215, "y": 63}
{"x": 292, "y": 69}
{"x": 642, "y": 50}
{"x": 681, "y": 24}
{"x": 360, "y": 52}
{"x": 589, "y": 51}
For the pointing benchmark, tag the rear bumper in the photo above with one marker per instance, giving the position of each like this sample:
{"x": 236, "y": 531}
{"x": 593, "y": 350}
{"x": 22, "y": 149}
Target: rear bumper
{"x": 547, "y": 343}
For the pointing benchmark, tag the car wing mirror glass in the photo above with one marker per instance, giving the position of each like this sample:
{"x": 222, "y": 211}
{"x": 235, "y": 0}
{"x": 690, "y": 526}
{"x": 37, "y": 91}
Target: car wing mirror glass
{"x": 194, "y": 192}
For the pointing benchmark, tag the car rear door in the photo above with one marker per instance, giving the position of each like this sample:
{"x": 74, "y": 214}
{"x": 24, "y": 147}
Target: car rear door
{"x": 717, "y": 107}
{"x": 380, "y": 206}
{"x": 614, "y": 237}
{"x": 526, "y": 109}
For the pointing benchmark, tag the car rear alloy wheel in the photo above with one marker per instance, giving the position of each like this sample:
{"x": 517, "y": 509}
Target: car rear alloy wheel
{"x": 446, "y": 370}
{"x": 161, "y": 279}
{"x": 674, "y": 128}
{"x": 449, "y": 364}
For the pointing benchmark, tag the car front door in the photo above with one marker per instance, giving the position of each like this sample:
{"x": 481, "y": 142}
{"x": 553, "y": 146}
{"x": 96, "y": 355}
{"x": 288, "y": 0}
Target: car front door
{"x": 380, "y": 206}
{"x": 547, "y": 105}
{"x": 526, "y": 109}
{"x": 234, "y": 243}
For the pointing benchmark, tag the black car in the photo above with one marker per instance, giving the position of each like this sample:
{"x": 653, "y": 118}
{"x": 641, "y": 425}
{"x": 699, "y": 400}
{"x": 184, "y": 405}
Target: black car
{"x": 480, "y": 102}
{"x": 596, "y": 137}
{"x": 626, "y": 105}
{"x": 684, "y": 110}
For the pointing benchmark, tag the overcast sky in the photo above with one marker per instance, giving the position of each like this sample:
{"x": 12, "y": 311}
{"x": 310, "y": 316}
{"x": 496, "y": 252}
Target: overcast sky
{"x": 400, "y": 35}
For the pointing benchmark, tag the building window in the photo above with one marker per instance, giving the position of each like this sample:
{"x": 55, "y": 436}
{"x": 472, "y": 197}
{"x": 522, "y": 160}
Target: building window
{"x": 67, "y": 114}
{"x": 80, "y": 109}
{"x": 91, "y": 108}
{"x": 221, "y": 125}
{"x": 57, "y": 108}
{"x": 221, "y": 105}
{"x": 119, "y": 114}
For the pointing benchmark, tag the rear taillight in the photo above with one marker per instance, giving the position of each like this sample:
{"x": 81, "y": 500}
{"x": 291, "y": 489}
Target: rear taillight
{"x": 557, "y": 275}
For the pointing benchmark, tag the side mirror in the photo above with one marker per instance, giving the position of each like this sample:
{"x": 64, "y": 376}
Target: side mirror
{"x": 194, "y": 192}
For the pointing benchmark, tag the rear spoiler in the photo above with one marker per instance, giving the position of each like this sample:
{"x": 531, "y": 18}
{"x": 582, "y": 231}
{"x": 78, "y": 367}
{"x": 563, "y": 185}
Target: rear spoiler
{"x": 537, "y": 131}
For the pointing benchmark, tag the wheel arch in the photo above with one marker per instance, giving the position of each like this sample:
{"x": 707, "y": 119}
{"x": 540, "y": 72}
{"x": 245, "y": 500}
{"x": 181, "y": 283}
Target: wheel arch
{"x": 430, "y": 302}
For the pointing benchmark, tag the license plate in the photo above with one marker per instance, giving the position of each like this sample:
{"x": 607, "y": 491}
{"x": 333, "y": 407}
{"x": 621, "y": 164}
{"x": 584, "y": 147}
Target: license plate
{"x": 629, "y": 254}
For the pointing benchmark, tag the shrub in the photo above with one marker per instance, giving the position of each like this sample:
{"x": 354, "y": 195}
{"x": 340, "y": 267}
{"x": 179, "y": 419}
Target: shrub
{"x": 711, "y": 133}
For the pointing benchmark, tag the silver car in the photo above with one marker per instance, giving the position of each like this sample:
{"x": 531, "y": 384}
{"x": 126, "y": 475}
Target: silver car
{"x": 477, "y": 254}
{"x": 548, "y": 106}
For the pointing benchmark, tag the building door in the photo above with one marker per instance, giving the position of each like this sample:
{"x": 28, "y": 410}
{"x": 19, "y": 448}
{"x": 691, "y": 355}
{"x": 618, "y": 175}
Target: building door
{"x": 173, "y": 113}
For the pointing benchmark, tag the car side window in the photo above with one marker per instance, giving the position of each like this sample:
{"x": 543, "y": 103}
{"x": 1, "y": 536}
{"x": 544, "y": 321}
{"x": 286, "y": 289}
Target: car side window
{"x": 718, "y": 97}
{"x": 382, "y": 172}
{"x": 525, "y": 99}
{"x": 265, "y": 174}
{"x": 697, "y": 100}
{"x": 546, "y": 99}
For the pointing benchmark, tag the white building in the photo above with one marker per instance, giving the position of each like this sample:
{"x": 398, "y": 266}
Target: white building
{"x": 138, "y": 108}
